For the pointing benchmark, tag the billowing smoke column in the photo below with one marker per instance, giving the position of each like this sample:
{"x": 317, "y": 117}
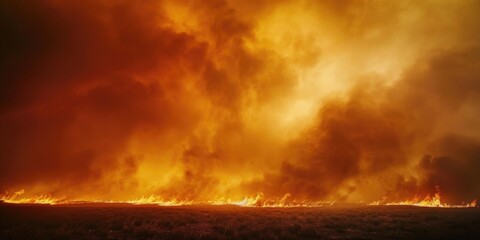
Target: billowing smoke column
{"x": 379, "y": 133}
{"x": 206, "y": 100}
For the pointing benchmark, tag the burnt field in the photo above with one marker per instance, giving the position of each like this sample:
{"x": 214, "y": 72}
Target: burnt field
{"x": 117, "y": 221}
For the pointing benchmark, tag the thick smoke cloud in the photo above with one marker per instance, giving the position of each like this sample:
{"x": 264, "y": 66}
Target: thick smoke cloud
{"x": 195, "y": 100}
{"x": 76, "y": 84}
{"x": 453, "y": 168}
{"x": 92, "y": 89}
{"x": 379, "y": 128}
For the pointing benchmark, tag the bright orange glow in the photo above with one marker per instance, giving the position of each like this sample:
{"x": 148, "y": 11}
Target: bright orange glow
{"x": 432, "y": 202}
{"x": 40, "y": 199}
{"x": 427, "y": 201}
{"x": 258, "y": 201}
{"x": 251, "y": 103}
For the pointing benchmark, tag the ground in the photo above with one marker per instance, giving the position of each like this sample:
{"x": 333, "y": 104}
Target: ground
{"x": 119, "y": 221}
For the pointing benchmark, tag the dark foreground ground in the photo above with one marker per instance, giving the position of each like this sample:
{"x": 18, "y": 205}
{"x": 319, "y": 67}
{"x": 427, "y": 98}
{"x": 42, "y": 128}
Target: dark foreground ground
{"x": 227, "y": 222}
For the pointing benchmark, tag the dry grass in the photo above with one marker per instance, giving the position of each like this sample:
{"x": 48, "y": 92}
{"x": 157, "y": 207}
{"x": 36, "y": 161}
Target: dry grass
{"x": 229, "y": 222}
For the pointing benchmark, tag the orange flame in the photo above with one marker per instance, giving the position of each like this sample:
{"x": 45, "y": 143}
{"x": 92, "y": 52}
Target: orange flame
{"x": 428, "y": 201}
{"x": 253, "y": 201}
{"x": 40, "y": 199}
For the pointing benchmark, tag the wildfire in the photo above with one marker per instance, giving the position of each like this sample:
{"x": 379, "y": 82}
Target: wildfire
{"x": 428, "y": 201}
{"x": 40, "y": 199}
{"x": 253, "y": 201}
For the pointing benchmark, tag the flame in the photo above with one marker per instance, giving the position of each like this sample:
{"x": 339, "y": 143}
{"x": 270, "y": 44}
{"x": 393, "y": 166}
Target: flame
{"x": 253, "y": 201}
{"x": 212, "y": 103}
{"x": 40, "y": 199}
{"x": 427, "y": 201}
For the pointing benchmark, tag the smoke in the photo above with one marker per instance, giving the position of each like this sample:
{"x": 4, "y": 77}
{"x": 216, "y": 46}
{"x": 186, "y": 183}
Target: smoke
{"x": 195, "y": 100}
{"x": 76, "y": 87}
{"x": 379, "y": 130}
{"x": 453, "y": 168}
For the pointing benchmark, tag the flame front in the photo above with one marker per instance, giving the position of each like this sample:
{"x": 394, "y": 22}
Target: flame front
{"x": 427, "y": 201}
{"x": 257, "y": 201}
{"x": 40, "y": 199}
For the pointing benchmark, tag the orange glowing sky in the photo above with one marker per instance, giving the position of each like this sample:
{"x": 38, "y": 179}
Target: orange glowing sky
{"x": 221, "y": 99}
